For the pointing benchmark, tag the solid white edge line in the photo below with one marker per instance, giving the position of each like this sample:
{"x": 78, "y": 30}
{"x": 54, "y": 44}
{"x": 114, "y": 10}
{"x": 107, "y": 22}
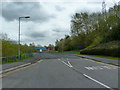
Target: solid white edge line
{"x": 97, "y": 81}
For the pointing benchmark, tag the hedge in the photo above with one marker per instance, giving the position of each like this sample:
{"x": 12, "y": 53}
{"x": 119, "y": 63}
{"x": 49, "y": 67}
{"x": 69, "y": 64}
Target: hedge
{"x": 105, "y": 49}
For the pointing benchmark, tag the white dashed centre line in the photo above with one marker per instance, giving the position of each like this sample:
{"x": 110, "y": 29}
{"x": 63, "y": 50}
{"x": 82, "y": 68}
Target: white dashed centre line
{"x": 97, "y": 82}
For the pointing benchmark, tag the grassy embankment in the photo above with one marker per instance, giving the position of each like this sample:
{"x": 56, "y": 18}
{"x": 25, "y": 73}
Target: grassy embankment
{"x": 78, "y": 53}
{"x": 109, "y": 50}
{"x": 68, "y": 52}
{"x": 12, "y": 59}
{"x": 17, "y": 60}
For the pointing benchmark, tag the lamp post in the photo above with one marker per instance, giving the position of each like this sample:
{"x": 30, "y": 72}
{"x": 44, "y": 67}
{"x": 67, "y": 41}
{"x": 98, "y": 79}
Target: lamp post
{"x": 19, "y": 37}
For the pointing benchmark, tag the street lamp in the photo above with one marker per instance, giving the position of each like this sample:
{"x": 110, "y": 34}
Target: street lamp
{"x": 19, "y": 37}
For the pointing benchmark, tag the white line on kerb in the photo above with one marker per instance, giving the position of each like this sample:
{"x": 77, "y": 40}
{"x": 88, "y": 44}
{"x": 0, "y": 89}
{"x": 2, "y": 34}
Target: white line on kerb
{"x": 98, "y": 82}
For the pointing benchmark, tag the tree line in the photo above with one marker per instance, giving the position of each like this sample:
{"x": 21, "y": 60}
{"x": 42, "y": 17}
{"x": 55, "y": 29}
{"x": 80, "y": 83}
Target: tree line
{"x": 10, "y": 47}
{"x": 91, "y": 29}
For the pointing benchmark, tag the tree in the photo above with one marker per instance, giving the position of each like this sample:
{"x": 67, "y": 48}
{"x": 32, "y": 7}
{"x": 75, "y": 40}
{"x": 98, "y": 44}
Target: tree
{"x": 89, "y": 30}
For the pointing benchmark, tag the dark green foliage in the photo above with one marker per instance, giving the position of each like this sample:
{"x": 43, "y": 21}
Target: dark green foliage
{"x": 90, "y": 30}
{"x": 108, "y": 49}
{"x": 113, "y": 35}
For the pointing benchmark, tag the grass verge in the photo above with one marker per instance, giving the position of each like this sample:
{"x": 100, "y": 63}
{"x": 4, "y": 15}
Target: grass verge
{"x": 78, "y": 53}
{"x": 71, "y": 52}
{"x": 18, "y": 60}
{"x": 68, "y": 52}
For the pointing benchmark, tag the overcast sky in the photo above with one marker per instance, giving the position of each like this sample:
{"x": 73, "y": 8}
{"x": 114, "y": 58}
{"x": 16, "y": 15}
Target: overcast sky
{"x": 49, "y": 20}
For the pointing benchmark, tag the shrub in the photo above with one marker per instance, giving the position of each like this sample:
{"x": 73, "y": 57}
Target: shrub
{"x": 107, "y": 49}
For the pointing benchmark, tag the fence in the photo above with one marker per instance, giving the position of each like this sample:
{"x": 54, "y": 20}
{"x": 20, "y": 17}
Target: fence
{"x": 15, "y": 58}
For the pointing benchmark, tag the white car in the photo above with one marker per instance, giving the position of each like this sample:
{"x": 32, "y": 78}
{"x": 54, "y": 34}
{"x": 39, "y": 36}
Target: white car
{"x": 40, "y": 50}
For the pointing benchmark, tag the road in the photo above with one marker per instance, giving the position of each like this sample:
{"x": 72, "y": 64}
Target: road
{"x": 63, "y": 71}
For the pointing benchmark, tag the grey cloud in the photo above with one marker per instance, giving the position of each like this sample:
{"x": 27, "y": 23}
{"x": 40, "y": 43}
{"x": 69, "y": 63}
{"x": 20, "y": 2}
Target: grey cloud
{"x": 26, "y": 40}
{"x": 59, "y": 30}
{"x": 96, "y": 2}
{"x": 58, "y": 8}
{"x": 35, "y": 35}
{"x": 56, "y": 30}
{"x": 12, "y": 10}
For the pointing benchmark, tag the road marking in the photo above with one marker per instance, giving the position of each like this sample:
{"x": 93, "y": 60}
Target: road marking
{"x": 103, "y": 63}
{"x": 89, "y": 60}
{"x": 5, "y": 74}
{"x": 108, "y": 64}
{"x": 90, "y": 77}
{"x": 99, "y": 67}
{"x": 89, "y": 68}
{"x": 58, "y": 59}
{"x": 69, "y": 65}
{"x": 97, "y": 82}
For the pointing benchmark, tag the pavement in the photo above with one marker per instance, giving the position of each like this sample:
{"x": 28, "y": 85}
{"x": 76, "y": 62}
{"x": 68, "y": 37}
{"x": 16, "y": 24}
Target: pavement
{"x": 63, "y": 71}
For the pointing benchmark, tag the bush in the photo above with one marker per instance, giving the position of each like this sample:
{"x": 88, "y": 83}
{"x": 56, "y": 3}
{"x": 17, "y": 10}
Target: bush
{"x": 113, "y": 35}
{"x": 106, "y": 49}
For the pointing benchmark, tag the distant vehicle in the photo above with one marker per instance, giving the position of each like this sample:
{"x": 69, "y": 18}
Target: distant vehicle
{"x": 40, "y": 50}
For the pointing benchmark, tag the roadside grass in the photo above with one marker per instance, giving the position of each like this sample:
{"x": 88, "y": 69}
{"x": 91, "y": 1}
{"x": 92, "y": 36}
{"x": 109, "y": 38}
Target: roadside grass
{"x": 103, "y": 49}
{"x": 71, "y": 52}
{"x": 68, "y": 52}
{"x": 78, "y": 53}
{"x": 17, "y": 60}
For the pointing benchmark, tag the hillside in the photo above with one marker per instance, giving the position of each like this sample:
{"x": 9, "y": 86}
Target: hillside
{"x": 106, "y": 49}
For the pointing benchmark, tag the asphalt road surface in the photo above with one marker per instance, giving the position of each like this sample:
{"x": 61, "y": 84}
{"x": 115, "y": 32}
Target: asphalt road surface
{"x": 63, "y": 71}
